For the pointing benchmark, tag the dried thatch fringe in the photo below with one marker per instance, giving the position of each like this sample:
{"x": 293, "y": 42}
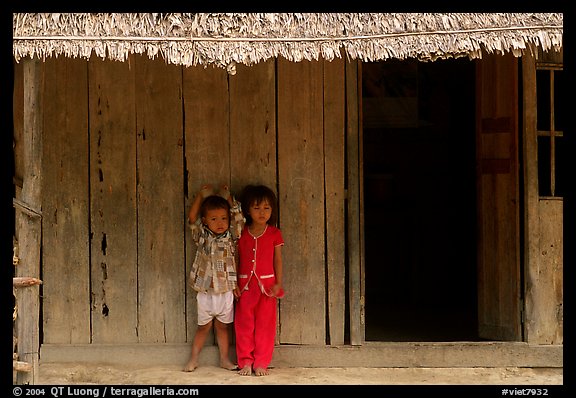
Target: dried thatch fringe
{"x": 226, "y": 39}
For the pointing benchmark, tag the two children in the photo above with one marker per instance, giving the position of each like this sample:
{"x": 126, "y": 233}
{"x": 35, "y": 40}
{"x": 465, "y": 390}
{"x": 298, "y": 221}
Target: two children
{"x": 258, "y": 256}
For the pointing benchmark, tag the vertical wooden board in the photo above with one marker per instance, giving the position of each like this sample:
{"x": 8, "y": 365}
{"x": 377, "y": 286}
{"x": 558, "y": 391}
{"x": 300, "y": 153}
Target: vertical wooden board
{"x": 18, "y": 133}
{"x": 507, "y": 247}
{"x": 253, "y": 126}
{"x": 547, "y": 293}
{"x": 498, "y": 203}
{"x": 532, "y": 230}
{"x": 253, "y": 129}
{"x": 498, "y": 199}
{"x": 17, "y": 112}
{"x": 301, "y": 197}
{"x": 354, "y": 230}
{"x": 356, "y": 101}
{"x": 334, "y": 133}
{"x": 206, "y": 110}
{"x": 160, "y": 188}
{"x": 207, "y": 152}
{"x": 487, "y": 228}
{"x": 30, "y": 228}
{"x": 65, "y": 205}
{"x": 113, "y": 243}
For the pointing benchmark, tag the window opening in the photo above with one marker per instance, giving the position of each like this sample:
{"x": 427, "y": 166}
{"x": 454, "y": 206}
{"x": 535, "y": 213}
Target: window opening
{"x": 550, "y": 126}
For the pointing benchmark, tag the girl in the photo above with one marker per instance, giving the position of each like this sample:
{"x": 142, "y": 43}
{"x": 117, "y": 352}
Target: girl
{"x": 259, "y": 281}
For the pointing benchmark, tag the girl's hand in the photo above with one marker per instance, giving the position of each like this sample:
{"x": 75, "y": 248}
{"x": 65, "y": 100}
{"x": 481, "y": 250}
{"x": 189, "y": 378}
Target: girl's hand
{"x": 277, "y": 291}
{"x": 236, "y": 292}
{"x": 225, "y": 191}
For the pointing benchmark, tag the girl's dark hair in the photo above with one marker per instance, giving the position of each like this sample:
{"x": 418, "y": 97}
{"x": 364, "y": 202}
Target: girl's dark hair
{"x": 255, "y": 194}
{"x": 214, "y": 202}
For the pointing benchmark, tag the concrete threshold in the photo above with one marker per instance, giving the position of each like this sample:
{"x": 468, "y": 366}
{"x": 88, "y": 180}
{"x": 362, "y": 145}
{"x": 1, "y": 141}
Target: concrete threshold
{"x": 372, "y": 354}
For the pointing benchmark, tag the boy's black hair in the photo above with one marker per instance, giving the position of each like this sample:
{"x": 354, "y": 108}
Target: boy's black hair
{"x": 255, "y": 194}
{"x": 213, "y": 202}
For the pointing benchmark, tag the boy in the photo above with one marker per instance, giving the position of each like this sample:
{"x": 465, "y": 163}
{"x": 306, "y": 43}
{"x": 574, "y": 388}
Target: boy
{"x": 213, "y": 274}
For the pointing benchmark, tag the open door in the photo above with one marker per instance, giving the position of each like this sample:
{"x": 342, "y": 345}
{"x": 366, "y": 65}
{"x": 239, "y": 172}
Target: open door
{"x": 499, "y": 294}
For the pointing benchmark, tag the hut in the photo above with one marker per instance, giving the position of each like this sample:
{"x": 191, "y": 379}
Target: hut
{"x": 415, "y": 157}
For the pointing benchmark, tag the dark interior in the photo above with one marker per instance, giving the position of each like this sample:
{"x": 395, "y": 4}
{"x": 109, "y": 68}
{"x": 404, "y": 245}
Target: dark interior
{"x": 419, "y": 200}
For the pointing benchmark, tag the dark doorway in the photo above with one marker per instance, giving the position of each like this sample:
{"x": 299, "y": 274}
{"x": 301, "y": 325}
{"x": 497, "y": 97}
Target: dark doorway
{"x": 419, "y": 200}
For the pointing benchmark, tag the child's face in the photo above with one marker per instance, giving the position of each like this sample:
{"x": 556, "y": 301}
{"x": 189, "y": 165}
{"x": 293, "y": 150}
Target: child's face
{"x": 216, "y": 220}
{"x": 260, "y": 212}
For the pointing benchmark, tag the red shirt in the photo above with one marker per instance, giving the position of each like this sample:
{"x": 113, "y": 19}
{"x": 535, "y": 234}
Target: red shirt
{"x": 257, "y": 257}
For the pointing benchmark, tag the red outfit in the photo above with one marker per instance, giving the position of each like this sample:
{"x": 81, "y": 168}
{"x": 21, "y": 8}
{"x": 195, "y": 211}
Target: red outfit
{"x": 255, "y": 313}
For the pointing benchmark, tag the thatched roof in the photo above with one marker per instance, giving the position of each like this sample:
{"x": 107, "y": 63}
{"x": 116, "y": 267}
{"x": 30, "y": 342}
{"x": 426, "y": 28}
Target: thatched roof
{"x": 226, "y": 39}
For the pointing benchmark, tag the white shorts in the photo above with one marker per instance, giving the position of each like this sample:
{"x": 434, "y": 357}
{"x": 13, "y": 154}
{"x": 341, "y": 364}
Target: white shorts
{"x": 215, "y": 305}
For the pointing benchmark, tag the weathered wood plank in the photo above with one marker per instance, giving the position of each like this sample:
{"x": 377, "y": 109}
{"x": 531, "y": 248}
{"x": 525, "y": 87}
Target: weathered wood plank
{"x": 301, "y": 197}
{"x": 545, "y": 295}
{"x": 30, "y": 228}
{"x": 356, "y": 101}
{"x": 334, "y": 156}
{"x": 253, "y": 126}
{"x": 65, "y": 236}
{"x": 207, "y": 152}
{"x": 498, "y": 201}
{"x": 161, "y": 218}
{"x": 354, "y": 242}
{"x": 114, "y": 259}
{"x": 253, "y": 129}
{"x": 206, "y": 109}
{"x": 542, "y": 229}
{"x": 18, "y": 115}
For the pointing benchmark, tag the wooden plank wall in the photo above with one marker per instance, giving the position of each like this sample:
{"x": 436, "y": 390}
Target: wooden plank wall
{"x": 253, "y": 126}
{"x": 547, "y": 291}
{"x": 113, "y": 202}
{"x": 498, "y": 199}
{"x": 129, "y": 145}
{"x": 334, "y": 172}
{"x": 301, "y": 196}
{"x": 253, "y": 129}
{"x": 160, "y": 175}
{"x": 66, "y": 254}
{"x": 28, "y": 226}
{"x": 355, "y": 226}
{"x": 206, "y": 128}
{"x": 18, "y": 115}
{"x": 543, "y": 230}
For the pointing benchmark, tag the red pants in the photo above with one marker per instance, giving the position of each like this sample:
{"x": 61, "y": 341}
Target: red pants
{"x": 255, "y": 327}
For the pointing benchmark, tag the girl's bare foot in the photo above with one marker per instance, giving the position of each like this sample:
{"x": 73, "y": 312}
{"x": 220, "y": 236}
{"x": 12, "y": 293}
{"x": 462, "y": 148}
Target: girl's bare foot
{"x": 261, "y": 372}
{"x": 191, "y": 366}
{"x": 245, "y": 371}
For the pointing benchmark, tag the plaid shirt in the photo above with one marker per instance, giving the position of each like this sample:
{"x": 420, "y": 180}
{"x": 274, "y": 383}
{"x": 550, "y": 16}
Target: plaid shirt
{"x": 214, "y": 266}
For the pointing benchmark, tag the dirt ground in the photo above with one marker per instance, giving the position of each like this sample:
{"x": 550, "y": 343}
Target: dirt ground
{"x": 73, "y": 373}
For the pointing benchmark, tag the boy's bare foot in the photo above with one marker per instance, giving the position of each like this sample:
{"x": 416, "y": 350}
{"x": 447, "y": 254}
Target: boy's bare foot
{"x": 191, "y": 366}
{"x": 261, "y": 372}
{"x": 228, "y": 365}
{"x": 245, "y": 371}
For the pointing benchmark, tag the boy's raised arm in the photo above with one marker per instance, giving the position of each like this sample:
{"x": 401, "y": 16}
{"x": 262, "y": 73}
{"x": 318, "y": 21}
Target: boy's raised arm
{"x": 195, "y": 208}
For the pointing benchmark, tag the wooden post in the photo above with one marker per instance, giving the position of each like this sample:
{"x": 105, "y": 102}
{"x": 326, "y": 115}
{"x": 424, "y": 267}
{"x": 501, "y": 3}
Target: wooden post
{"x": 29, "y": 227}
{"x": 355, "y": 224}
